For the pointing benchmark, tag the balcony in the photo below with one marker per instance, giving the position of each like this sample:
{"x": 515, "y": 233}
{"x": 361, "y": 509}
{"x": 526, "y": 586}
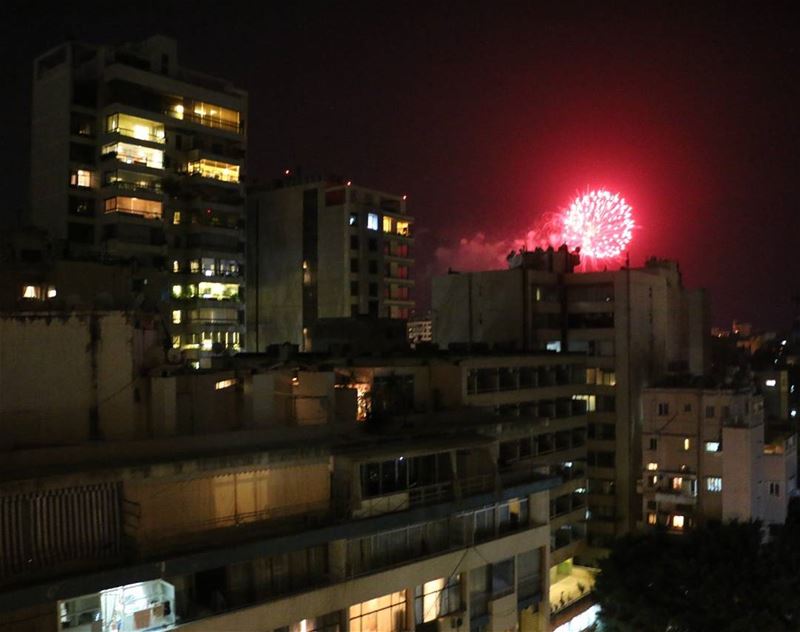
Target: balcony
{"x": 134, "y": 155}
{"x": 136, "y": 127}
{"x": 207, "y": 115}
{"x": 133, "y": 182}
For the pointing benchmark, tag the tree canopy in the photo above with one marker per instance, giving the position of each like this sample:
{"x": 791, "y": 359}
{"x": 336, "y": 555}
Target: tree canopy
{"x": 720, "y": 577}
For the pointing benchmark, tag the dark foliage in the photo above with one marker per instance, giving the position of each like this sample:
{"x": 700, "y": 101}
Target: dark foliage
{"x": 719, "y": 577}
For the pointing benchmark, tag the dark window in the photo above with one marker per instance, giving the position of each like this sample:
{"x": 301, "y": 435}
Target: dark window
{"x": 353, "y": 242}
{"x": 80, "y": 233}
{"x": 373, "y": 245}
{"x": 81, "y": 153}
{"x": 353, "y": 265}
{"x": 653, "y": 444}
{"x": 353, "y": 288}
{"x": 81, "y": 206}
{"x": 373, "y": 266}
{"x": 373, "y": 309}
{"x": 373, "y": 289}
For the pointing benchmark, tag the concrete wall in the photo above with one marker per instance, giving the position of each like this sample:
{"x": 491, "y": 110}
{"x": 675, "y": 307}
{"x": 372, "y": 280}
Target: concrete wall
{"x": 275, "y": 268}
{"x": 50, "y": 128}
{"x": 81, "y": 385}
{"x": 333, "y": 289}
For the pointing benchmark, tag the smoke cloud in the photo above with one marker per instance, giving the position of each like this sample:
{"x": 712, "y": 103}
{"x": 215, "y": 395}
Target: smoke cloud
{"x": 480, "y": 253}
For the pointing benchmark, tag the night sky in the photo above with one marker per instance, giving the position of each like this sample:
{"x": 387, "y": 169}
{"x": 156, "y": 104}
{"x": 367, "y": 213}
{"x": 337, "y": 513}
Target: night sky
{"x": 489, "y": 117}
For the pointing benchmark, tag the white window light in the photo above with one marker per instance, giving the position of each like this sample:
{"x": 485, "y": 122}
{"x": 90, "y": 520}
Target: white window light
{"x": 771, "y": 383}
{"x": 222, "y": 384}
{"x": 652, "y": 466}
{"x": 372, "y": 221}
{"x": 51, "y": 292}
{"x": 712, "y": 446}
{"x": 678, "y": 521}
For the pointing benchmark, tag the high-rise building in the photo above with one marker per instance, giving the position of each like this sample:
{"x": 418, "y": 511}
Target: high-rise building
{"x": 633, "y": 324}
{"x": 136, "y": 159}
{"x": 324, "y": 248}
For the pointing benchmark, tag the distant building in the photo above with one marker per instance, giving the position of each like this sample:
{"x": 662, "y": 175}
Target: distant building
{"x": 137, "y": 160}
{"x": 634, "y": 325}
{"x": 706, "y": 456}
{"x": 324, "y": 248}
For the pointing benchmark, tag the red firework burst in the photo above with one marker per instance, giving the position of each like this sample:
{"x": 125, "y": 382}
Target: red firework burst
{"x": 600, "y": 223}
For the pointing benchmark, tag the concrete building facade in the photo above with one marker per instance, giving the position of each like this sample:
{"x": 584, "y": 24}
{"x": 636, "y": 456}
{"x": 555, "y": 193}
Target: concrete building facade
{"x": 707, "y": 457}
{"x": 634, "y": 325}
{"x": 136, "y": 159}
{"x": 284, "y": 492}
{"x": 324, "y": 248}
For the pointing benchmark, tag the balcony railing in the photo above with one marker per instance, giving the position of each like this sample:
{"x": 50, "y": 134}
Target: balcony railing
{"x": 153, "y": 187}
{"x": 206, "y": 121}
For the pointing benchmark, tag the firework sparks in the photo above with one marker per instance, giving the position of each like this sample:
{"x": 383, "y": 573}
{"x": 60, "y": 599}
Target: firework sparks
{"x": 600, "y": 223}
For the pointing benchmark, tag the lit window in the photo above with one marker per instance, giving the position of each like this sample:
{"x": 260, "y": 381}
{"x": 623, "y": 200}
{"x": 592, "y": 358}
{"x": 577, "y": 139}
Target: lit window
{"x": 176, "y": 316}
{"x": 81, "y": 178}
{"x": 176, "y": 266}
{"x": 387, "y": 224}
{"x": 222, "y": 384}
{"x": 208, "y": 114}
{"x": 176, "y": 342}
{"x": 176, "y": 217}
{"x": 353, "y": 219}
{"x": 177, "y": 291}
{"x": 207, "y": 266}
{"x": 31, "y": 291}
{"x": 135, "y": 154}
{"x": 372, "y": 221}
{"x": 403, "y": 228}
{"x": 654, "y": 481}
{"x": 651, "y": 518}
{"x": 218, "y": 291}
{"x": 51, "y": 291}
{"x": 771, "y": 383}
{"x": 687, "y": 444}
{"x": 133, "y": 206}
{"x": 677, "y": 483}
{"x": 714, "y": 484}
{"x": 214, "y": 169}
{"x": 652, "y": 466}
{"x": 677, "y": 522}
{"x": 386, "y": 613}
{"x": 194, "y": 266}
{"x": 712, "y": 446}
{"x": 436, "y": 598}
{"x": 135, "y": 127}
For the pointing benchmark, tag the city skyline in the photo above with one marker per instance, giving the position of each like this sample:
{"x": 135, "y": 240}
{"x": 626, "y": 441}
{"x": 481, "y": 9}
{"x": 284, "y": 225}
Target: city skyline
{"x": 694, "y": 130}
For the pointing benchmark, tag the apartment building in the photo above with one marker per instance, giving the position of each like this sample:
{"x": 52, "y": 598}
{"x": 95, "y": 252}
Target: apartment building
{"x": 283, "y": 492}
{"x": 632, "y": 324}
{"x": 138, "y": 160}
{"x": 324, "y": 248}
{"x": 708, "y": 455}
